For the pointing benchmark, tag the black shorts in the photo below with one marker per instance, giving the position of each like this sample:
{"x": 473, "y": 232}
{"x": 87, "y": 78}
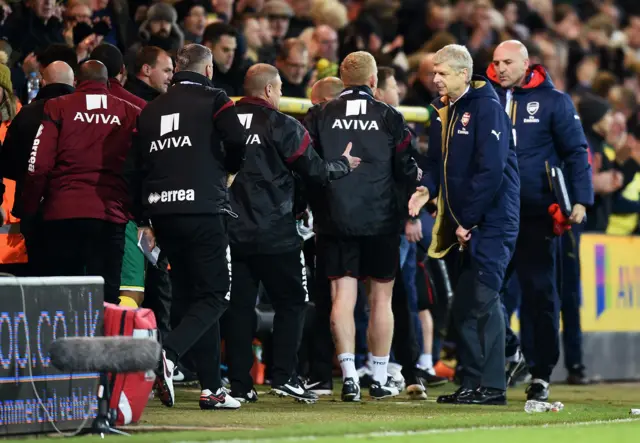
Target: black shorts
{"x": 373, "y": 257}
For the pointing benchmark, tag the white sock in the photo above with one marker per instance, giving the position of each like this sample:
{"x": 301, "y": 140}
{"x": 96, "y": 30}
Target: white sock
{"x": 206, "y": 392}
{"x": 380, "y": 369}
{"x": 348, "y": 366}
{"x": 369, "y": 359}
{"x": 425, "y": 362}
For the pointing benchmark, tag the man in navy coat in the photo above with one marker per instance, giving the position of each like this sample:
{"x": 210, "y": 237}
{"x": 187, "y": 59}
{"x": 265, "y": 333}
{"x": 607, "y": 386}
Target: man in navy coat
{"x": 547, "y": 133}
{"x": 472, "y": 169}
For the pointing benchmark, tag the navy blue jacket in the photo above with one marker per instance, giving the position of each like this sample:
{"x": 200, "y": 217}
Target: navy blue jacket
{"x": 547, "y": 132}
{"x": 471, "y": 167}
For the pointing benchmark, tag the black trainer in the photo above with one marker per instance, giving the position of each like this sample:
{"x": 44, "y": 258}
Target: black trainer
{"x": 350, "y": 390}
{"x": 245, "y": 397}
{"x": 378, "y": 391}
{"x": 295, "y": 389}
{"x": 537, "y": 391}
{"x": 429, "y": 379}
{"x": 183, "y": 376}
{"x": 319, "y": 387}
{"x": 577, "y": 376}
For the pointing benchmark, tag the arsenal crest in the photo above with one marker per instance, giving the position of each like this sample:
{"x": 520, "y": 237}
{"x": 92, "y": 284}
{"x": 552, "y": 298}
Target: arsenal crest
{"x": 532, "y": 107}
{"x": 465, "y": 119}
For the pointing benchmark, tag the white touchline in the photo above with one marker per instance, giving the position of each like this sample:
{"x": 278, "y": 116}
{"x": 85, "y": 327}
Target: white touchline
{"x": 424, "y": 432}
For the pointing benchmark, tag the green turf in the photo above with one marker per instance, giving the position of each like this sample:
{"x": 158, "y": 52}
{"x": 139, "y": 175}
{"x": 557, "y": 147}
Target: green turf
{"x": 595, "y": 433}
{"x": 275, "y": 418}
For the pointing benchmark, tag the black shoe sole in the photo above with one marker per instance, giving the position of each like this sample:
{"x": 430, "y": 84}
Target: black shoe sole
{"x": 488, "y": 403}
{"x": 212, "y": 408}
{"x": 350, "y": 398}
{"x": 436, "y": 384}
{"x": 283, "y": 394}
{"x": 384, "y": 396}
{"x": 161, "y": 389}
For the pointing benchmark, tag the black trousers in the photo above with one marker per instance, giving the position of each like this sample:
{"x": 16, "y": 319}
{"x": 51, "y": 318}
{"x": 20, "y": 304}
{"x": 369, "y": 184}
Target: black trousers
{"x": 77, "y": 247}
{"x": 197, "y": 247}
{"x": 35, "y": 241}
{"x": 479, "y": 321}
{"x": 285, "y": 281}
{"x": 157, "y": 293}
{"x": 535, "y": 261}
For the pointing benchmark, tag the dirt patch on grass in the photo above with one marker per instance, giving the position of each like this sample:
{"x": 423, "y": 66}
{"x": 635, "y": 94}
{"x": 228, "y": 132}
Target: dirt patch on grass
{"x": 159, "y": 428}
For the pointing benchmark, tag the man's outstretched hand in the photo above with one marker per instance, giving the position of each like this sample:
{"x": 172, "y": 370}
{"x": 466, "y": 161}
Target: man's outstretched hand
{"x": 418, "y": 200}
{"x": 353, "y": 161}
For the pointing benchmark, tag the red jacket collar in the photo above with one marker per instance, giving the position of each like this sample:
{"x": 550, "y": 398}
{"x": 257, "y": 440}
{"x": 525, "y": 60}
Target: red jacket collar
{"x": 92, "y": 86}
{"x": 256, "y": 101}
{"x": 536, "y": 75}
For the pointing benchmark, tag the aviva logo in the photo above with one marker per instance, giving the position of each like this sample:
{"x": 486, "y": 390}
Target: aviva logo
{"x": 617, "y": 284}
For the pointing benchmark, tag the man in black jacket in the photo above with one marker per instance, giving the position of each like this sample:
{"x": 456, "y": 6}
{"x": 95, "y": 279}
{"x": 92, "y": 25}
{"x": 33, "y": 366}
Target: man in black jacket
{"x": 356, "y": 219}
{"x": 188, "y": 141}
{"x": 58, "y": 80}
{"x": 265, "y": 245}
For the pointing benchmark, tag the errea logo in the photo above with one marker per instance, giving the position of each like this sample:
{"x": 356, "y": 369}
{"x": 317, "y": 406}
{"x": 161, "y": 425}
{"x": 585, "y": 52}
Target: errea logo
{"x": 154, "y": 197}
{"x": 34, "y": 150}
{"x": 178, "y": 195}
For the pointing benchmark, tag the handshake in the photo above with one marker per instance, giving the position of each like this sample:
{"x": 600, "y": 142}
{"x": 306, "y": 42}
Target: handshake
{"x": 421, "y": 198}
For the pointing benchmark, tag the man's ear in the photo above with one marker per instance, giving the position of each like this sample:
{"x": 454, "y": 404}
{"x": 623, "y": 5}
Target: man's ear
{"x": 146, "y": 70}
{"x": 373, "y": 81}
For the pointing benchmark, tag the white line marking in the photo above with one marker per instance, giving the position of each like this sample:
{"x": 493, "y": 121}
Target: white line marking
{"x": 425, "y": 432}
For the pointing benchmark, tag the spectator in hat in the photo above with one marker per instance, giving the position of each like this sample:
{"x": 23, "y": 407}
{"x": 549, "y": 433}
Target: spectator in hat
{"x": 609, "y": 175}
{"x": 278, "y": 14}
{"x": 625, "y": 219}
{"x": 193, "y": 19}
{"x": 5, "y": 52}
{"x": 9, "y": 106}
{"x": 159, "y": 29}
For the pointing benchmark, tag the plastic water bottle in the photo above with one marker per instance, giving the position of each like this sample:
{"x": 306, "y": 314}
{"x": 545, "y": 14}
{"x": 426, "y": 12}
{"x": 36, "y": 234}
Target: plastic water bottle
{"x": 532, "y": 406}
{"x": 33, "y": 86}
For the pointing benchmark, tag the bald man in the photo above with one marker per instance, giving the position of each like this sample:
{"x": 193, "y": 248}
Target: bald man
{"x": 265, "y": 245}
{"x": 423, "y": 90}
{"x": 57, "y": 80}
{"x": 357, "y": 235}
{"x": 325, "y": 39}
{"x": 326, "y": 89}
{"x": 547, "y": 133}
{"x": 78, "y": 155}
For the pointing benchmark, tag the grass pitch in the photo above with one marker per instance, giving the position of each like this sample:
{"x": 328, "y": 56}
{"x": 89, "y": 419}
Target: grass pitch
{"x": 592, "y": 414}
